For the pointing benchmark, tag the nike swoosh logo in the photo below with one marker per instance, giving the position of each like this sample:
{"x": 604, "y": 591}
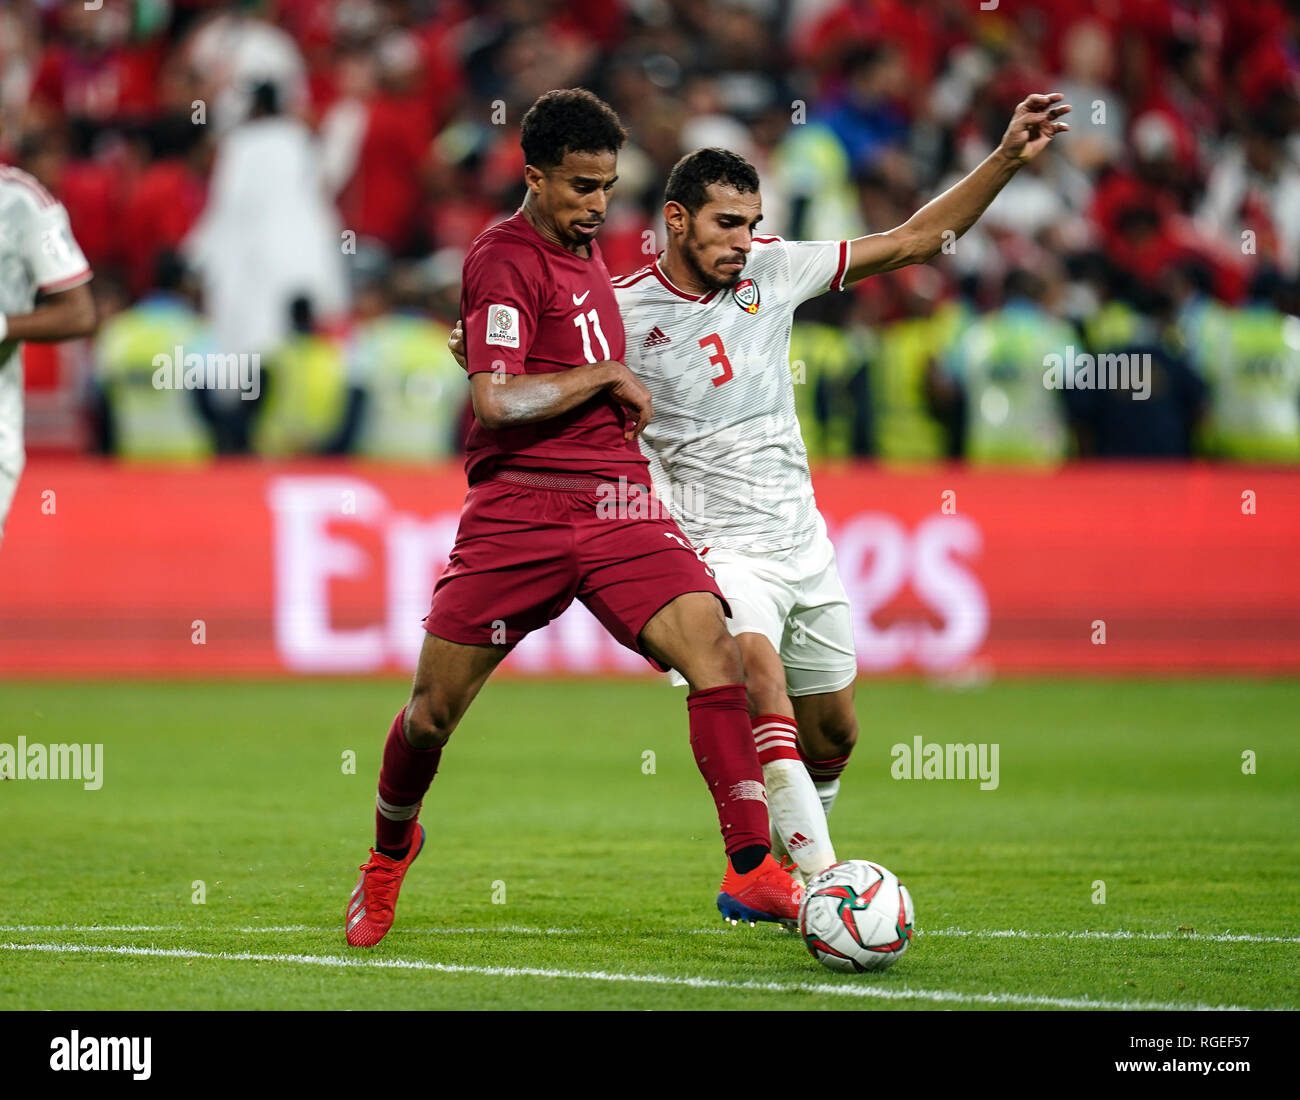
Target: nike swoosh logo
{"x": 578, "y": 301}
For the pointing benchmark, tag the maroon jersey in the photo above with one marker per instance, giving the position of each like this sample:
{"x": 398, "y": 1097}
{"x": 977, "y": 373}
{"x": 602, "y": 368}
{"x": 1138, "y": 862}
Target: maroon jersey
{"x": 532, "y": 307}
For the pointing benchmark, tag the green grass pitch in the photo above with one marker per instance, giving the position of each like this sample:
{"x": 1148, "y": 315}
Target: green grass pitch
{"x": 562, "y": 872}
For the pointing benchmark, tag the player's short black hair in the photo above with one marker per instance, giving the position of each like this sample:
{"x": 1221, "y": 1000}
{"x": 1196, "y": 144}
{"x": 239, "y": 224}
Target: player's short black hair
{"x": 689, "y": 180}
{"x": 569, "y": 120}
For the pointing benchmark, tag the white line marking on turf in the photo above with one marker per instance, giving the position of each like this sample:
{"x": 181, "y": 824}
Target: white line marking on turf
{"x": 903, "y": 993}
{"x": 92, "y": 928}
{"x": 1016, "y": 934}
{"x": 513, "y": 929}
{"x": 525, "y": 930}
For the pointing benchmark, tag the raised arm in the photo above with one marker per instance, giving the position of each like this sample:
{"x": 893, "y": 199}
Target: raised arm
{"x": 1032, "y": 128}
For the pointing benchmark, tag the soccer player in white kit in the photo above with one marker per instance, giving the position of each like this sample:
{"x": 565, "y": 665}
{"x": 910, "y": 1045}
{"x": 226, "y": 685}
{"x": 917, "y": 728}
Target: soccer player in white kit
{"x": 708, "y": 332}
{"x": 37, "y": 252}
{"x": 727, "y": 459}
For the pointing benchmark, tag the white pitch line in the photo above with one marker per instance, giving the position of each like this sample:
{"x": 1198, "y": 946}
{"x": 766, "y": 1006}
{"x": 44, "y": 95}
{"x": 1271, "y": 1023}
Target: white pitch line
{"x": 92, "y": 928}
{"x": 514, "y": 929}
{"x": 1015, "y": 934}
{"x": 904, "y": 993}
{"x": 525, "y": 930}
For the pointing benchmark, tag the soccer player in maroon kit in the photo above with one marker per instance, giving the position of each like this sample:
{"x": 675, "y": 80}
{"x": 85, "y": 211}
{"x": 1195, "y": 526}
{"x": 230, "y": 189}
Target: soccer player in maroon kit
{"x": 557, "y": 417}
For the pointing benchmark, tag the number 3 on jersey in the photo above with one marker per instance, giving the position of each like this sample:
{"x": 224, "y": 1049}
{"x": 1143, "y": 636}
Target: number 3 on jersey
{"x": 718, "y": 358}
{"x": 580, "y": 322}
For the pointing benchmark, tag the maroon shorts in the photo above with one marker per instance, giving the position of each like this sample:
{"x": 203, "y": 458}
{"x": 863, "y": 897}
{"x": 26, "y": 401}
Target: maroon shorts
{"x": 529, "y": 543}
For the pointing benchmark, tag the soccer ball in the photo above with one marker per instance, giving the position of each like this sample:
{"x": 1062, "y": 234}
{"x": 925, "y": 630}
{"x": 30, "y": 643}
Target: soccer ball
{"x": 856, "y": 916}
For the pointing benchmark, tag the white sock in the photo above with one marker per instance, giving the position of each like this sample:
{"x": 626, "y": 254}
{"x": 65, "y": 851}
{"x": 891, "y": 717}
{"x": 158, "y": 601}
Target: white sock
{"x": 798, "y": 820}
{"x": 827, "y": 792}
{"x": 779, "y": 850}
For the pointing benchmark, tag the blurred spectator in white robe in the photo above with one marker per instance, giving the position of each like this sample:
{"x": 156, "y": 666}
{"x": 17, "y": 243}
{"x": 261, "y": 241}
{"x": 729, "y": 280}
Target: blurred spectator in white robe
{"x": 268, "y": 234}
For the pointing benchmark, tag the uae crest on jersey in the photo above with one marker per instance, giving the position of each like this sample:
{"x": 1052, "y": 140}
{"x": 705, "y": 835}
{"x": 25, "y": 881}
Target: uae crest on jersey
{"x": 745, "y": 295}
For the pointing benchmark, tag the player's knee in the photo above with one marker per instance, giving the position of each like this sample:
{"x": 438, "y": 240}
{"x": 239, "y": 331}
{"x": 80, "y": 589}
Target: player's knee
{"x": 427, "y": 725}
{"x": 840, "y": 732}
{"x": 731, "y": 666}
{"x": 716, "y": 662}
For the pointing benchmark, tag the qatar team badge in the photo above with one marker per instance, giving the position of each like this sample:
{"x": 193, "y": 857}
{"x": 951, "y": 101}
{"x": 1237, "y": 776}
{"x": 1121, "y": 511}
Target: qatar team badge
{"x": 745, "y": 295}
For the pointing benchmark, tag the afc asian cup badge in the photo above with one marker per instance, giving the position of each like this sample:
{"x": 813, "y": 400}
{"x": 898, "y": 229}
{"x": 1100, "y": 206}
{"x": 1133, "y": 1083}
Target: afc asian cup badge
{"x": 503, "y": 326}
{"x": 745, "y": 295}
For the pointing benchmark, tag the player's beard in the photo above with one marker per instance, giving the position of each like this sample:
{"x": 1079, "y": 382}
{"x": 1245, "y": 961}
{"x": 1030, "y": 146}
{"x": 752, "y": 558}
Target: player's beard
{"x": 711, "y": 279}
{"x": 578, "y": 240}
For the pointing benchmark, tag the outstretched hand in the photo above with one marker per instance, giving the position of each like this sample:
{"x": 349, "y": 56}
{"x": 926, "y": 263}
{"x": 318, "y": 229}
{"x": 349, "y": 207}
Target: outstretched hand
{"x": 1034, "y": 125}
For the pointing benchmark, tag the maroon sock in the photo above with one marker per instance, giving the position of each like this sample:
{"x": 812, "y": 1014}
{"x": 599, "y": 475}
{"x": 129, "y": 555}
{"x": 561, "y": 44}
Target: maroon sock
{"x": 723, "y": 742}
{"x": 823, "y": 771}
{"x": 404, "y": 777}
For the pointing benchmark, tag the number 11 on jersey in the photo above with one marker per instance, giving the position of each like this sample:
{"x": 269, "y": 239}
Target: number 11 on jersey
{"x": 581, "y": 322}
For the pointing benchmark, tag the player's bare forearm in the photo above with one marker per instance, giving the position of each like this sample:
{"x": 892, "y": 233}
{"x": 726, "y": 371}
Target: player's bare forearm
{"x": 509, "y": 400}
{"x": 65, "y": 316}
{"x": 958, "y": 208}
{"x": 504, "y": 400}
{"x": 947, "y": 217}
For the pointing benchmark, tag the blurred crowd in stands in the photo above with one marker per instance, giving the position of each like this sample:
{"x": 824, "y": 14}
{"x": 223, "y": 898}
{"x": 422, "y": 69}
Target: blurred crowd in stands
{"x": 299, "y": 179}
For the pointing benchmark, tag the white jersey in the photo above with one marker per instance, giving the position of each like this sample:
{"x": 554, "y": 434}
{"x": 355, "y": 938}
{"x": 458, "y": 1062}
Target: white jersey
{"x": 37, "y": 252}
{"x": 724, "y": 447}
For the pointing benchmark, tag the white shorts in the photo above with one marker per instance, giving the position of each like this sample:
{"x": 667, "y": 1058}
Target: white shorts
{"x": 796, "y": 600}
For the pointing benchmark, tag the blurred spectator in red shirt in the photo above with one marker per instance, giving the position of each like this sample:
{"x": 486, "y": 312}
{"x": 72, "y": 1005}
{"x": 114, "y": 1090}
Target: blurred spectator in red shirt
{"x": 375, "y": 138}
{"x": 853, "y": 25}
{"x": 91, "y": 75}
{"x": 164, "y": 201}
